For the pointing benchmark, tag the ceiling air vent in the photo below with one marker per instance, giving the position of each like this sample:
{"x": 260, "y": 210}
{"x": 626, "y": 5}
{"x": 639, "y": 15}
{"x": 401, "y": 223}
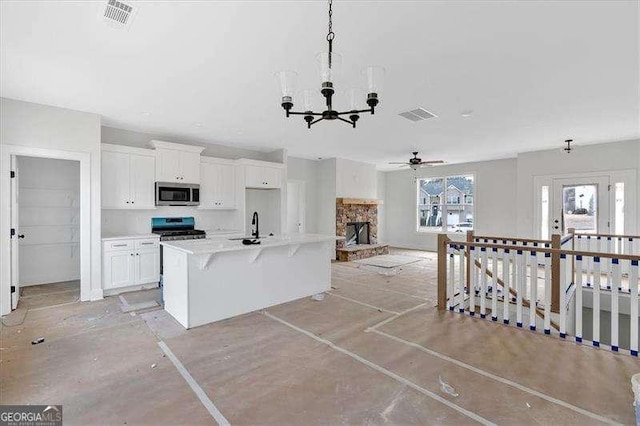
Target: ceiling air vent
{"x": 419, "y": 114}
{"x": 119, "y": 14}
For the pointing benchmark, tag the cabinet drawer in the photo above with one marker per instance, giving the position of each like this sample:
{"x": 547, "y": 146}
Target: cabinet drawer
{"x": 118, "y": 245}
{"x": 147, "y": 243}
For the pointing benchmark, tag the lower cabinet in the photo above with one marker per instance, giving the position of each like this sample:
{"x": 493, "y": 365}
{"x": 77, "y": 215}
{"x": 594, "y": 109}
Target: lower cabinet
{"x": 129, "y": 262}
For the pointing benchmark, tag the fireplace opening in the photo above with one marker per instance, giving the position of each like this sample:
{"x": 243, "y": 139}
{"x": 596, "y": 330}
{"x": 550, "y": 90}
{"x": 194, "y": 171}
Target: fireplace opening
{"x": 357, "y": 233}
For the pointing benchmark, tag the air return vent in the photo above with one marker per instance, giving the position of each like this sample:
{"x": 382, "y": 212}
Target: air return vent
{"x": 119, "y": 14}
{"x": 418, "y": 114}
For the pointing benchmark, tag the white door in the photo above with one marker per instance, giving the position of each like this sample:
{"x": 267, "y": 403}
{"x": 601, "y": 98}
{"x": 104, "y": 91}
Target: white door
{"x": 115, "y": 180}
{"x": 142, "y": 172}
{"x": 189, "y": 167}
{"x": 272, "y": 177}
{"x": 208, "y": 185}
{"x": 147, "y": 266}
{"x": 15, "y": 235}
{"x": 168, "y": 166}
{"x": 582, "y": 204}
{"x": 254, "y": 176}
{"x": 296, "y": 207}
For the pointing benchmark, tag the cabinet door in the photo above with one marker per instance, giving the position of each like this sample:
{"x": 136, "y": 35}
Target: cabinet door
{"x": 272, "y": 177}
{"x": 118, "y": 269}
{"x": 189, "y": 167}
{"x": 227, "y": 186}
{"x": 208, "y": 185}
{"x": 142, "y": 181}
{"x": 147, "y": 266}
{"x": 115, "y": 180}
{"x": 168, "y": 165}
{"x": 254, "y": 177}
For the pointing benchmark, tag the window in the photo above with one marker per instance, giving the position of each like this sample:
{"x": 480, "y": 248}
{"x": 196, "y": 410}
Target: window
{"x": 445, "y": 203}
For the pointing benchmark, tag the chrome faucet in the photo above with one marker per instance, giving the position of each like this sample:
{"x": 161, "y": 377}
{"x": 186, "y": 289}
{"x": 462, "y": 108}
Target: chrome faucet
{"x": 255, "y": 222}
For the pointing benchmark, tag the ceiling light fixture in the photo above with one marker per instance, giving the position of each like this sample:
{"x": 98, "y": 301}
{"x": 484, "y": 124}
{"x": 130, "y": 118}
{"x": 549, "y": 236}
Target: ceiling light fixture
{"x": 568, "y": 149}
{"x": 327, "y": 62}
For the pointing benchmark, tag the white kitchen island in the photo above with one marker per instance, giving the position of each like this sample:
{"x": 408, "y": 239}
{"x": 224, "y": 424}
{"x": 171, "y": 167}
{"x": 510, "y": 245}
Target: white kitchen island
{"x": 213, "y": 279}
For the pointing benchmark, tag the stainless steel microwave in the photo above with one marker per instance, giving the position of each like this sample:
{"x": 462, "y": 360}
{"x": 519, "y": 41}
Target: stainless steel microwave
{"x": 177, "y": 194}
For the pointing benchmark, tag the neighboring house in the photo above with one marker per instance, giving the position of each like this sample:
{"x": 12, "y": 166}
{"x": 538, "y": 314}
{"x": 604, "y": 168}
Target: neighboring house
{"x": 458, "y": 198}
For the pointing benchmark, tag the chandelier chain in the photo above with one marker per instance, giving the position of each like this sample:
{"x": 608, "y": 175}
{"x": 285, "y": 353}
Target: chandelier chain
{"x": 331, "y": 35}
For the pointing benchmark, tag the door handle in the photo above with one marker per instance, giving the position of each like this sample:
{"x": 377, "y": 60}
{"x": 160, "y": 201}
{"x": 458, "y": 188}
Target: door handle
{"x": 21, "y": 236}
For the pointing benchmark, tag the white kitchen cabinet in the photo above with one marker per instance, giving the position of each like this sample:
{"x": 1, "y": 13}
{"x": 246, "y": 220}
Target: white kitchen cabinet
{"x": 128, "y": 262}
{"x": 128, "y": 176}
{"x": 217, "y": 184}
{"x": 177, "y": 162}
{"x": 263, "y": 177}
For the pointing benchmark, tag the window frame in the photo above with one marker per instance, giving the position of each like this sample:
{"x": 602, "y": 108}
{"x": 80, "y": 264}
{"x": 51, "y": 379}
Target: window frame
{"x": 444, "y": 228}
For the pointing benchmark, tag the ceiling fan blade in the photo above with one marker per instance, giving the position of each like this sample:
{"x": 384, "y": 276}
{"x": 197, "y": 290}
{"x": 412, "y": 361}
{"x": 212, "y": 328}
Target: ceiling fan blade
{"x": 433, "y": 162}
{"x": 395, "y": 162}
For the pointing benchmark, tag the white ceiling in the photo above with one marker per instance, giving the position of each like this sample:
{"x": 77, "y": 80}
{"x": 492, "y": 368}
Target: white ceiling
{"x": 534, "y": 73}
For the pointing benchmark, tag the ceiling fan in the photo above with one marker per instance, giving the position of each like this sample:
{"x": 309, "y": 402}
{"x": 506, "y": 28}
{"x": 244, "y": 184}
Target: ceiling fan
{"x": 415, "y": 163}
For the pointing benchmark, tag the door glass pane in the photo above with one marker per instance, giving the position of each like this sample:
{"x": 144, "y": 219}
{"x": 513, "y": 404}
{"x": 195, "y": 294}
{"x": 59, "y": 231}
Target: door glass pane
{"x": 580, "y": 208}
{"x": 619, "y": 219}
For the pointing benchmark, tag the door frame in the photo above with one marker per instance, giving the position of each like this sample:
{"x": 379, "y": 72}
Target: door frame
{"x": 602, "y": 183}
{"x": 628, "y": 176}
{"x": 7, "y": 151}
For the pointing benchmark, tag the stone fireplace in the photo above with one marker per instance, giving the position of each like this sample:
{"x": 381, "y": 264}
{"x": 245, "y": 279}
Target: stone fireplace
{"x": 357, "y": 222}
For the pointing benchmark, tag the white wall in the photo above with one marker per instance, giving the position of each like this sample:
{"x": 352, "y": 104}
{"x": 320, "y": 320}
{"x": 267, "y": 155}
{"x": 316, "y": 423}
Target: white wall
{"x": 355, "y": 179}
{"x": 583, "y": 159}
{"x": 381, "y": 189}
{"x": 49, "y": 219}
{"x": 495, "y": 207}
{"x": 32, "y": 125}
{"x": 327, "y": 196}
{"x": 304, "y": 170}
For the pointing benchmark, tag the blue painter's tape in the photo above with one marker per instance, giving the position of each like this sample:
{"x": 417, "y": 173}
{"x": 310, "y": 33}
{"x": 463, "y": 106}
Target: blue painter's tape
{"x": 578, "y": 339}
{"x": 532, "y": 327}
{"x": 596, "y": 259}
{"x": 506, "y": 250}
{"x": 472, "y": 248}
{"x": 533, "y": 253}
{"x": 519, "y": 324}
{"x": 588, "y": 237}
{"x": 495, "y": 241}
{"x": 495, "y": 250}
{"x": 547, "y": 254}
{"x": 524, "y": 243}
{"x": 614, "y": 348}
{"x": 472, "y": 313}
{"x": 599, "y": 238}
{"x": 451, "y": 308}
{"x": 483, "y": 316}
{"x": 630, "y": 239}
{"x": 615, "y": 261}
{"x": 608, "y": 238}
{"x": 634, "y": 262}
{"x": 563, "y": 256}
{"x": 588, "y": 284}
{"x": 461, "y": 310}
{"x": 483, "y": 249}
{"x": 506, "y": 321}
{"x": 563, "y": 335}
{"x": 547, "y": 331}
{"x": 519, "y": 252}
{"x": 451, "y": 255}
{"x": 608, "y": 287}
{"x": 579, "y": 236}
{"x": 634, "y": 353}
{"x": 535, "y": 244}
{"x": 578, "y": 257}
{"x": 596, "y": 344}
{"x": 494, "y": 318}
{"x": 486, "y": 240}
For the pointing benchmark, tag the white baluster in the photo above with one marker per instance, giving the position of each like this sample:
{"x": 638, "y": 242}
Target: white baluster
{"x": 563, "y": 295}
{"x": 533, "y": 293}
{"x": 596, "y": 301}
{"x": 472, "y": 286}
{"x": 506, "y": 294}
{"x": 578, "y": 298}
{"x": 463, "y": 279}
{"x": 633, "y": 287}
{"x": 615, "y": 266}
{"x": 483, "y": 283}
{"x": 589, "y": 264}
{"x": 451, "y": 278}
{"x": 547, "y": 293}
{"x": 514, "y": 271}
{"x": 520, "y": 286}
{"x": 494, "y": 285}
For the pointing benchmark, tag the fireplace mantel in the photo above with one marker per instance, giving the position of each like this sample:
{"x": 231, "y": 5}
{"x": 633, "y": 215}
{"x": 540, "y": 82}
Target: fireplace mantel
{"x": 359, "y": 201}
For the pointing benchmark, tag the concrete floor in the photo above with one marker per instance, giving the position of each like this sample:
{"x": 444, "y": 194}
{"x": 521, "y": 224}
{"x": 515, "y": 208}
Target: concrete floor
{"x": 372, "y": 352}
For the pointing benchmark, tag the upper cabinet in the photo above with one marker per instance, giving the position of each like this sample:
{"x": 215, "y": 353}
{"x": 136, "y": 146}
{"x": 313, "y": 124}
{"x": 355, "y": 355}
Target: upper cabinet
{"x": 177, "y": 163}
{"x": 217, "y": 184}
{"x": 128, "y": 177}
{"x": 263, "y": 175}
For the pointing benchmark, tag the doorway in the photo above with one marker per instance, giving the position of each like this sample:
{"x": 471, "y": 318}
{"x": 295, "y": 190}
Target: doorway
{"x": 296, "y": 204}
{"x": 46, "y": 226}
{"x": 581, "y": 203}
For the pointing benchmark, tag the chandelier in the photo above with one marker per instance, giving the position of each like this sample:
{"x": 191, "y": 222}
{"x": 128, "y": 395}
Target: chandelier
{"x": 327, "y": 63}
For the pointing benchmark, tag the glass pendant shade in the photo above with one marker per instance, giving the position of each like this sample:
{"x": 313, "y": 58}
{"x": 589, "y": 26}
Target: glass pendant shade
{"x": 374, "y": 79}
{"x": 288, "y": 81}
{"x": 355, "y": 98}
{"x": 306, "y": 96}
{"x": 328, "y": 74}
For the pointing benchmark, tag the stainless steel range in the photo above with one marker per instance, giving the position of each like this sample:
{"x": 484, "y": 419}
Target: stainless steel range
{"x": 176, "y": 228}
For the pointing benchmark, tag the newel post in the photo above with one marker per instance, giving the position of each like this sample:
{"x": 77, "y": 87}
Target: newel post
{"x": 442, "y": 271}
{"x": 555, "y": 273}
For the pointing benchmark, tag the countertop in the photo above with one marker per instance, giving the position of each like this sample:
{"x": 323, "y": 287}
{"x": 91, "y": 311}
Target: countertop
{"x": 223, "y": 244}
{"x": 109, "y": 237}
